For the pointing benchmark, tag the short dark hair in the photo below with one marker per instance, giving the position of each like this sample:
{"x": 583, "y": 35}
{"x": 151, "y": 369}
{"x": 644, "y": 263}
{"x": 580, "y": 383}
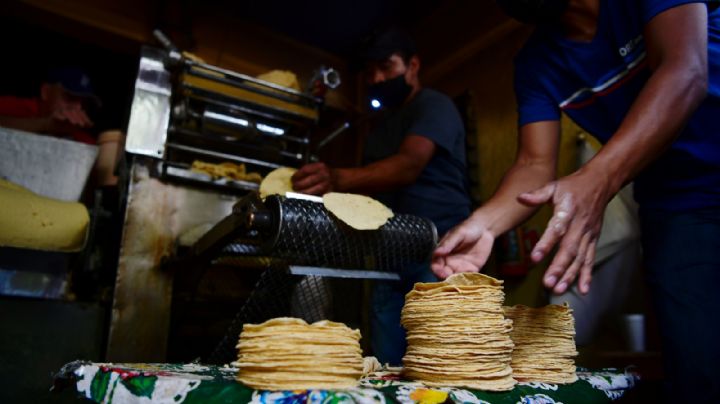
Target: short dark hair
{"x": 382, "y": 44}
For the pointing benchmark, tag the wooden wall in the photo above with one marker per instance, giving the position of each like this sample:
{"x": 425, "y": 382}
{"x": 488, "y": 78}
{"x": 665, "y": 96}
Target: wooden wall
{"x": 218, "y": 37}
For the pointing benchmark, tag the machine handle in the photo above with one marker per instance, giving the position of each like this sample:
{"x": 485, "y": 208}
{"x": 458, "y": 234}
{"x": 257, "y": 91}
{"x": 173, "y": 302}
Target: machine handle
{"x": 332, "y": 136}
{"x": 164, "y": 40}
{"x": 175, "y": 57}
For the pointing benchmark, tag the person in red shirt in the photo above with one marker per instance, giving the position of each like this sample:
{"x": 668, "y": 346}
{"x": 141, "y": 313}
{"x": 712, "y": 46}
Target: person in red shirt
{"x": 60, "y": 110}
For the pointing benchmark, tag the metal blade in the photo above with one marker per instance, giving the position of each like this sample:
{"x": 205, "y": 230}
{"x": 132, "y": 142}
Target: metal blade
{"x": 343, "y": 273}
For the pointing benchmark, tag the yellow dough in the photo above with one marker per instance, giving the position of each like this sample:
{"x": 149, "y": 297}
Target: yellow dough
{"x": 283, "y": 78}
{"x": 28, "y": 220}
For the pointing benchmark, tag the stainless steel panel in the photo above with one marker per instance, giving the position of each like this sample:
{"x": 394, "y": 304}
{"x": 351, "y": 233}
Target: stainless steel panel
{"x": 150, "y": 111}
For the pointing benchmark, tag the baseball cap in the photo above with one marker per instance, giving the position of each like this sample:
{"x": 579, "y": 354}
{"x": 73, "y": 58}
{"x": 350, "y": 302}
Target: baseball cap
{"x": 74, "y": 80}
{"x": 383, "y": 44}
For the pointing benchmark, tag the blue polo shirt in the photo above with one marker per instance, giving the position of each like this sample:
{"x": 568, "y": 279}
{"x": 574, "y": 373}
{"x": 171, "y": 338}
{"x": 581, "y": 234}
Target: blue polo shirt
{"x": 595, "y": 84}
{"x": 440, "y": 193}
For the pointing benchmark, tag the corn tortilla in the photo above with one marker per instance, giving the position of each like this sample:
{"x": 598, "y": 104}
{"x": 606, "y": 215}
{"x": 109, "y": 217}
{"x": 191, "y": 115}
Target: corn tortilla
{"x": 277, "y": 182}
{"x": 357, "y": 211}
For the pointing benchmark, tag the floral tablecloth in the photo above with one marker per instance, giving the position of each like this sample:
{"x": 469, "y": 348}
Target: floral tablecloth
{"x": 193, "y": 383}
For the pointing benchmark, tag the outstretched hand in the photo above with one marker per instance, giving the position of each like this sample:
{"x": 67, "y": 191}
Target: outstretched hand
{"x": 579, "y": 204}
{"x": 465, "y": 248}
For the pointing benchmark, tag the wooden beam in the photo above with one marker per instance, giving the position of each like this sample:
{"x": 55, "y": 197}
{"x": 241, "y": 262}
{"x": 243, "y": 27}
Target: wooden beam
{"x": 131, "y": 26}
{"x": 453, "y": 60}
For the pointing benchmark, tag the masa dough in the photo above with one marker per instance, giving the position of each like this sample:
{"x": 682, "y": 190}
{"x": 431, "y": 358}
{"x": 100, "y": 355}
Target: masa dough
{"x": 283, "y": 78}
{"x": 28, "y": 220}
{"x": 226, "y": 170}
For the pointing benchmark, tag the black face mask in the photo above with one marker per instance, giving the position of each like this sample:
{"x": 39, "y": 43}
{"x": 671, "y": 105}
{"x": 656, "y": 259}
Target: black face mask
{"x": 534, "y": 11}
{"x": 390, "y": 93}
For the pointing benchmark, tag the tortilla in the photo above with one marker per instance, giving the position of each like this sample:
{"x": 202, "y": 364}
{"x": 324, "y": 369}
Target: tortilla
{"x": 277, "y": 182}
{"x": 457, "y": 334}
{"x": 544, "y": 344}
{"x": 357, "y": 211}
{"x": 289, "y": 354}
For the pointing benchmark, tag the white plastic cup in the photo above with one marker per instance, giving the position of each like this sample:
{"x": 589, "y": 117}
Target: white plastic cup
{"x": 634, "y": 330}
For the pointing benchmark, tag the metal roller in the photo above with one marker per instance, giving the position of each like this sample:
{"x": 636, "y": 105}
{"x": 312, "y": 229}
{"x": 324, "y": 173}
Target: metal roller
{"x": 308, "y": 234}
{"x": 303, "y": 232}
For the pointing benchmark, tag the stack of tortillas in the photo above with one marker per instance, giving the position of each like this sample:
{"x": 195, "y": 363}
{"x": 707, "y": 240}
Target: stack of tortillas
{"x": 544, "y": 343}
{"x": 290, "y": 354}
{"x": 457, "y": 334}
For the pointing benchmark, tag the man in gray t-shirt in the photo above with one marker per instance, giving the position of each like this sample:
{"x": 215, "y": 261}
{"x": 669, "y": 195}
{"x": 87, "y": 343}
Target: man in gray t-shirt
{"x": 414, "y": 162}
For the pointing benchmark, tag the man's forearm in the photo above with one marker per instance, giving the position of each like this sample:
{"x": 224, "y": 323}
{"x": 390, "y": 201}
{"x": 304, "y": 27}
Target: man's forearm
{"x": 384, "y": 175}
{"x": 652, "y": 124}
{"x": 502, "y": 212}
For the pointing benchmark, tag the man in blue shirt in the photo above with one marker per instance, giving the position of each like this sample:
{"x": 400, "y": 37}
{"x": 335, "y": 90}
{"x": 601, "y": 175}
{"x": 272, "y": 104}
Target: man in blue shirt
{"x": 643, "y": 76}
{"x": 414, "y": 162}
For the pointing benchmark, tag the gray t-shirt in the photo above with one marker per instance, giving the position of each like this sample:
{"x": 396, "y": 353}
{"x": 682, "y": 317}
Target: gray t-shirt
{"x": 441, "y": 191}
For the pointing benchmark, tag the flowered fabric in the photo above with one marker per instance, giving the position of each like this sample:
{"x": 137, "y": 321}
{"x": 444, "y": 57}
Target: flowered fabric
{"x": 169, "y": 383}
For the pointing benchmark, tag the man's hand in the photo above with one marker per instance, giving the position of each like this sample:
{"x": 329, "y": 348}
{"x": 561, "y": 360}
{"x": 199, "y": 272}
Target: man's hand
{"x": 66, "y": 118}
{"x": 72, "y": 114}
{"x": 63, "y": 119}
{"x": 314, "y": 179}
{"x": 465, "y": 248}
{"x": 579, "y": 204}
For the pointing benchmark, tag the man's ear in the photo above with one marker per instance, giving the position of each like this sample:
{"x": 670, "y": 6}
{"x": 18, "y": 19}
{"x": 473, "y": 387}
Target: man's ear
{"x": 414, "y": 64}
